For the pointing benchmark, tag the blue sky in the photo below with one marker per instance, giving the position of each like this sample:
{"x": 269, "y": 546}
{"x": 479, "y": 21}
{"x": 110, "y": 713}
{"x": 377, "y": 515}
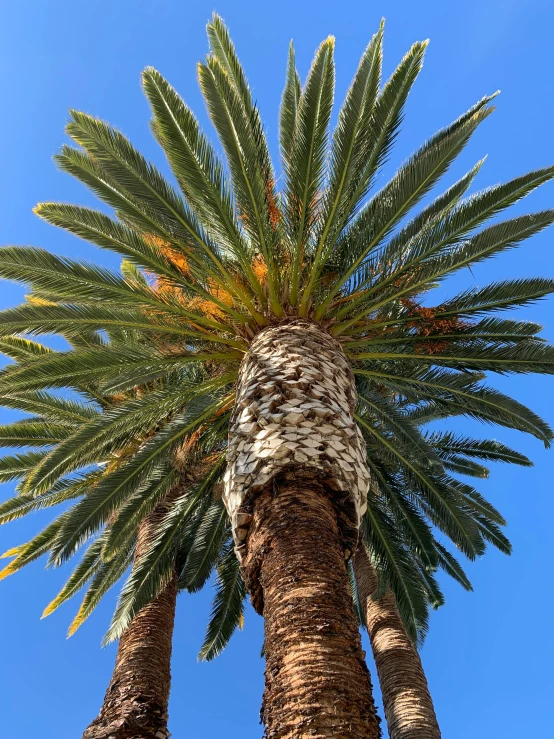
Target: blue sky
{"x": 488, "y": 654}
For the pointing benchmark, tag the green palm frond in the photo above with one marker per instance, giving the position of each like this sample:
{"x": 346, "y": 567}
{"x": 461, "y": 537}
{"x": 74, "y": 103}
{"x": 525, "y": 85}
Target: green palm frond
{"x": 18, "y": 347}
{"x": 403, "y": 192}
{"x": 103, "y": 579}
{"x": 15, "y": 467}
{"x": 228, "y": 607}
{"x": 147, "y": 465}
{"x": 351, "y": 145}
{"x": 460, "y": 393}
{"x": 290, "y": 101}
{"x": 197, "y": 168}
{"x": 33, "y": 549}
{"x": 89, "y": 565}
{"x": 490, "y": 450}
{"x": 58, "y": 410}
{"x": 61, "y": 492}
{"x": 304, "y": 166}
{"x": 153, "y": 569}
{"x": 394, "y": 566}
{"x": 205, "y": 548}
{"x": 32, "y": 433}
{"x": 452, "y": 567}
{"x": 124, "y": 524}
{"x": 106, "y": 434}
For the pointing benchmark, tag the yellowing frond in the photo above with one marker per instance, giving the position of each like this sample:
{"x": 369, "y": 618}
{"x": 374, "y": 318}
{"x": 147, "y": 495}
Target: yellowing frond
{"x": 10, "y": 569}
{"x": 78, "y": 621}
{"x": 50, "y": 608}
{"x": 34, "y": 300}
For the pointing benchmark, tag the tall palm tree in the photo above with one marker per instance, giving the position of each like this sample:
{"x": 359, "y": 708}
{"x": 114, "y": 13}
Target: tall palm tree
{"x": 137, "y": 698}
{"x": 408, "y": 705}
{"x": 285, "y": 297}
{"x": 407, "y": 701}
{"x": 137, "y": 695}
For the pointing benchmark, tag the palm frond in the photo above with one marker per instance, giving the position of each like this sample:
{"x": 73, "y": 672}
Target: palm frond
{"x": 155, "y": 566}
{"x": 228, "y": 607}
{"x": 205, "y": 548}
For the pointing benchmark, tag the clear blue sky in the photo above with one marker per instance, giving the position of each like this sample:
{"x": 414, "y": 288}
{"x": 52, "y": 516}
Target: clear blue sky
{"x": 489, "y": 654}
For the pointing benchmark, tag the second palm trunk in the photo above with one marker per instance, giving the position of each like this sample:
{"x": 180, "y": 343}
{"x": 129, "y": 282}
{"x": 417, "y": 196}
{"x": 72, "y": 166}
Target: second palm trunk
{"x": 295, "y": 489}
{"x": 135, "y": 704}
{"x": 408, "y": 705}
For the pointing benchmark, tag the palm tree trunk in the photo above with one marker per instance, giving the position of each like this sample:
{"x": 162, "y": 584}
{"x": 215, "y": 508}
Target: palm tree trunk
{"x": 408, "y": 706}
{"x": 296, "y": 486}
{"x": 135, "y": 704}
{"x": 316, "y": 681}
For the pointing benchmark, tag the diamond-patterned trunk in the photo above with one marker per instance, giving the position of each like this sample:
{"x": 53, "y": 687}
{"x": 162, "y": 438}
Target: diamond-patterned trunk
{"x": 294, "y": 409}
{"x": 295, "y": 489}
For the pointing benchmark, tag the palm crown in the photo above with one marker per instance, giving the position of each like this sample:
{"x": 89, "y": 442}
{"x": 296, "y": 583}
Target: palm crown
{"x": 213, "y": 263}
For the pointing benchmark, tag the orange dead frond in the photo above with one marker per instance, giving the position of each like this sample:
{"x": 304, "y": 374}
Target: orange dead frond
{"x": 157, "y": 241}
{"x": 431, "y": 347}
{"x": 206, "y": 307}
{"x": 428, "y": 326}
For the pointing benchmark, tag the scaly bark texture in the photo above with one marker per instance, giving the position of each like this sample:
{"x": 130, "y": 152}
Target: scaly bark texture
{"x": 295, "y": 398}
{"x": 317, "y": 683}
{"x": 135, "y": 704}
{"x": 408, "y": 706}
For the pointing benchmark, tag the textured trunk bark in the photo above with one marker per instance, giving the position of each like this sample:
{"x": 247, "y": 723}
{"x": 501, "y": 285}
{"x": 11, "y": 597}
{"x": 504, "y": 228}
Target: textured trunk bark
{"x": 295, "y": 489}
{"x": 135, "y": 704}
{"x": 316, "y": 681}
{"x": 408, "y": 706}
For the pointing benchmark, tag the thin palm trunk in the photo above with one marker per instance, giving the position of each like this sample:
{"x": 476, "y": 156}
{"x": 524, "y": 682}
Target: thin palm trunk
{"x": 296, "y": 486}
{"x": 135, "y": 704}
{"x": 408, "y": 706}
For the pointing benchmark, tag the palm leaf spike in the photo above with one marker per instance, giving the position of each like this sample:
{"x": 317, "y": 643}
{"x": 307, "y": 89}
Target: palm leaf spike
{"x": 305, "y": 168}
{"x": 289, "y": 105}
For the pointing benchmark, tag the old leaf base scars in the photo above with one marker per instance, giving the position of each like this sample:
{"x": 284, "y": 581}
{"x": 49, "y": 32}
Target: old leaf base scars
{"x": 294, "y": 408}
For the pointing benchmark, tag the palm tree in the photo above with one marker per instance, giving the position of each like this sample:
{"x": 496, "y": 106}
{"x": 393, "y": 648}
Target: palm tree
{"x": 453, "y": 453}
{"x": 285, "y": 298}
{"x": 142, "y": 700}
{"x": 408, "y": 704}
{"x": 138, "y": 694}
